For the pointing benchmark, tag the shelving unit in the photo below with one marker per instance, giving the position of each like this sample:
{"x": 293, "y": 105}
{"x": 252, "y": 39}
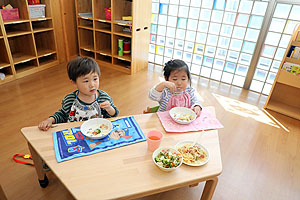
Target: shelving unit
{"x": 27, "y": 45}
{"x": 98, "y": 36}
{"x": 284, "y": 97}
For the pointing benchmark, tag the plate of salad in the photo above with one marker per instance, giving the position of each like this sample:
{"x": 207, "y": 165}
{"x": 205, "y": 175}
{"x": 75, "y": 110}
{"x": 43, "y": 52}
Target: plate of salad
{"x": 96, "y": 128}
{"x": 167, "y": 158}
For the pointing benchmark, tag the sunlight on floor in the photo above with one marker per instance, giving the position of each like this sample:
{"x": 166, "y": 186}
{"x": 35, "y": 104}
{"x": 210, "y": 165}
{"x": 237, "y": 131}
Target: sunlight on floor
{"x": 244, "y": 109}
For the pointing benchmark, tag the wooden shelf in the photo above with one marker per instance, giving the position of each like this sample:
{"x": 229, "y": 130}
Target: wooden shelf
{"x": 94, "y": 30}
{"x": 16, "y": 21}
{"x": 87, "y": 48}
{"x": 41, "y": 19}
{"x": 7, "y": 78}
{"x": 284, "y": 96}
{"x": 38, "y": 30}
{"x": 292, "y": 60}
{"x": 295, "y": 43}
{"x": 104, "y": 52}
{"x": 45, "y": 52}
{"x": 3, "y": 65}
{"x": 18, "y": 33}
{"x": 284, "y": 109}
{"x": 23, "y": 67}
{"x": 21, "y": 58}
{"x": 288, "y": 79}
{"x": 27, "y": 45}
{"x": 125, "y": 57}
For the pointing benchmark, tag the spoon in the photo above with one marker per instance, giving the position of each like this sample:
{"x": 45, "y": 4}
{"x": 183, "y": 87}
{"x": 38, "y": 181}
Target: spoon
{"x": 195, "y": 141}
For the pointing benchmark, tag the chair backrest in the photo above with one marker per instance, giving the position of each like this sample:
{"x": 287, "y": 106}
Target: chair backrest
{"x": 151, "y": 110}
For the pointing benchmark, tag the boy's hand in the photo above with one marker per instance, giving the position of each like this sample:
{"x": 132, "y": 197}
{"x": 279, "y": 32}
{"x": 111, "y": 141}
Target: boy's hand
{"x": 46, "y": 124}
{"x": 107, "y": 106}
{"x": 197, "y": 110}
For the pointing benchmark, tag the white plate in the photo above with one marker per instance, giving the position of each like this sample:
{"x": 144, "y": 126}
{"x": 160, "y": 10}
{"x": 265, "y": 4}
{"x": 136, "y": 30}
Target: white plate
{"x": 180, "y": 144}
{"x": 180, "y": 111}
{"x": 92, "y": 124}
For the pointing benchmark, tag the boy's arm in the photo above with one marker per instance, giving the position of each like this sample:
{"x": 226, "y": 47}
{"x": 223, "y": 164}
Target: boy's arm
{"x": 62, "y": 114}
{"x": 112, "y": 111}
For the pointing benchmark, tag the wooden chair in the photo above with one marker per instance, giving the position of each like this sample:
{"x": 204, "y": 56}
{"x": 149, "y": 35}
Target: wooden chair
{"x": 151, "y": 109}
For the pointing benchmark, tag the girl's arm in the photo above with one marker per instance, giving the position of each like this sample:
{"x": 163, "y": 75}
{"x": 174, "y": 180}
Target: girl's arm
{"x": 195, "y": 102}
{"x": 165, "y": 84}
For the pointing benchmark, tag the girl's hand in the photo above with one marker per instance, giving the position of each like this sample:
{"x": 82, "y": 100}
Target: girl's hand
{"x": 197, "y": 110}
{"x": 46, "y": 124}
{"x": 166, "y": 84}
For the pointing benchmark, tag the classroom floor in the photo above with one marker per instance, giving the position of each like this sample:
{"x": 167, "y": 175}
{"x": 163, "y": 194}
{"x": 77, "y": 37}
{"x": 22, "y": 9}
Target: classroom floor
{"x": 260, "y": 152}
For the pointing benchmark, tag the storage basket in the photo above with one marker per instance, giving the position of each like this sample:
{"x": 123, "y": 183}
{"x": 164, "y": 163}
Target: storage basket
{"x": 9, "y": 14}
{"x": 37, "y": 11}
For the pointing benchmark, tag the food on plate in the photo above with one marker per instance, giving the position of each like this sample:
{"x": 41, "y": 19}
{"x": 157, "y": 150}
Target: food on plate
{"x": 167, "y": 159}
{"x": 102, "y": 130}
{"x": 183, "y": 117}
{"x": 193, "y": 154}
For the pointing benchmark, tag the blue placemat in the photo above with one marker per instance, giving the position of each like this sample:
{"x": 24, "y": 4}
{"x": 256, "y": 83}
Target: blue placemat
{"x": 71, "y": 143}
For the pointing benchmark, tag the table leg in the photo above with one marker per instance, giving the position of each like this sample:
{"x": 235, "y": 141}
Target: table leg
{"x": 209, "y": 188}
{"x": 38, "y": 164}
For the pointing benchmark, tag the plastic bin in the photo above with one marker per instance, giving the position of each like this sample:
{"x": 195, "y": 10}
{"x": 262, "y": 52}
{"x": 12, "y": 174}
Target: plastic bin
{"x": 9, "y": 14}
{"x": 37, "y": 11}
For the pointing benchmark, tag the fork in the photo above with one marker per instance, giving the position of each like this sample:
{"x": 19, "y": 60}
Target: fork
{"x": 197, "y": 138}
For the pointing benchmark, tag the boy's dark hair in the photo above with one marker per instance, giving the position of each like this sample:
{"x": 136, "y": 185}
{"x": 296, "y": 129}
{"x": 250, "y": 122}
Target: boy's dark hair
{"x": 176, "y": 64}
{"x": 81, "y": 66}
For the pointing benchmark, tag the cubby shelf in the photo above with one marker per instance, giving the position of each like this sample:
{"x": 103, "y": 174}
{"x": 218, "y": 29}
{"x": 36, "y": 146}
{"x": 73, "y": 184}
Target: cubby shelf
{"x": 98, "y": 36}
{"x": 27, "y": 45}
{"x": 284, "y": 96}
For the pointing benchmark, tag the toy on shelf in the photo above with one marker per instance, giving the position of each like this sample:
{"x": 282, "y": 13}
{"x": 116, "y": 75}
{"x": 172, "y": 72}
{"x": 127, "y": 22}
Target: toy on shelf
{"x": 107, "y": 12}
{"x": 126, "y": 47}
{"x": 33, "y": 2}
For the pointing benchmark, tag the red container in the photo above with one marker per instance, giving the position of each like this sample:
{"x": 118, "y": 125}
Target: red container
{"x": 126, "y": 47}
{"x": 107, "y": 12}
{"x": 33, "y": 2}
{"x": 9, "y": 14}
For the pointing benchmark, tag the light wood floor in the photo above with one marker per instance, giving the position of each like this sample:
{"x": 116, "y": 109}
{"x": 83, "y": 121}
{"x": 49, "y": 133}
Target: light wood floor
{"x": 261, "y": 156}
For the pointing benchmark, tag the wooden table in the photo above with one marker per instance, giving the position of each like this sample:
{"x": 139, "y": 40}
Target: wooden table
{"x": 126, "y": 172}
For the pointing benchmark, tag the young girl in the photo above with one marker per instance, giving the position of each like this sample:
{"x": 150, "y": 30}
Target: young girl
{"x": 175, "y": 91}
{"x": 87, "y": 101}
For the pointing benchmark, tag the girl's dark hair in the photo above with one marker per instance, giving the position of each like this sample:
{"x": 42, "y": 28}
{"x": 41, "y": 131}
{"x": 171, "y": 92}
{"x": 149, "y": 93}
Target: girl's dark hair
{"x": 176, "y": 64}
{"x": 81, "y": 66}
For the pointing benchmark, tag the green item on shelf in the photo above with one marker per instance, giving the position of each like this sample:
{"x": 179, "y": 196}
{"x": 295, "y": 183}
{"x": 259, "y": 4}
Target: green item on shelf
{"x": 120, "y": 49}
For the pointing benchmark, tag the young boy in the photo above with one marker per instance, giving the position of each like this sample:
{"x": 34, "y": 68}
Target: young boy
{"x": 87, "y": 101}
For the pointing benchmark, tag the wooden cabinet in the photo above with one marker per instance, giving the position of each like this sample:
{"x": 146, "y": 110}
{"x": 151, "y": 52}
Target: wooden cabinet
{"x": 27, "y": 45}
{"x": 284, "y": 97}
{"x": 98, "y": 36}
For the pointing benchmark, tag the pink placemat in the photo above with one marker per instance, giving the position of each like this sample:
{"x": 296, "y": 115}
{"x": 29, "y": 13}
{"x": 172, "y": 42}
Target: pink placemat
{"x": 206, "y": 121}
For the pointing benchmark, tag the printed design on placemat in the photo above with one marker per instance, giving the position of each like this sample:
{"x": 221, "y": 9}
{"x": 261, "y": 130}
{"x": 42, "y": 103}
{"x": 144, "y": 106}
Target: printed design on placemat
{"x": 71, "y": 143}
{"x": 206, "y": 121}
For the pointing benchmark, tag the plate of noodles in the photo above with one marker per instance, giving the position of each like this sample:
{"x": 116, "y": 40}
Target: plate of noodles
{"x": 182, "y": 115}
{"x": 196, "y": 155}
